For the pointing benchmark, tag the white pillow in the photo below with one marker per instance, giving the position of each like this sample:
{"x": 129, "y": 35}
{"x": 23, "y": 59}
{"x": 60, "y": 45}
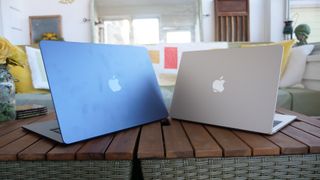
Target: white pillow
{"x": 38, "y": 73}
{"x": 296, "y": 65}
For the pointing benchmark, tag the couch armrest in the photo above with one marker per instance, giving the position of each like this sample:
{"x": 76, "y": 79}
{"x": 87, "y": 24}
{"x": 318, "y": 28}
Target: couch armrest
{"x": 313, "y": 58}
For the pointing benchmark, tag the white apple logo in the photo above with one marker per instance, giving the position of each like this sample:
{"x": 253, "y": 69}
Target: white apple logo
{"x": 217, "y": 85}
{"x": 114, "y": 84}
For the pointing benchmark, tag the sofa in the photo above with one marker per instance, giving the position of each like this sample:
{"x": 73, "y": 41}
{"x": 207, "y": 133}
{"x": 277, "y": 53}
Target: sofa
{"x": 304, "y": 100}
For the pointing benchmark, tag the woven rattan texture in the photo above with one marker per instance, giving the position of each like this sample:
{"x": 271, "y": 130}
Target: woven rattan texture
{"x": 65, "y": 169}
{"x": 264, "y": 167}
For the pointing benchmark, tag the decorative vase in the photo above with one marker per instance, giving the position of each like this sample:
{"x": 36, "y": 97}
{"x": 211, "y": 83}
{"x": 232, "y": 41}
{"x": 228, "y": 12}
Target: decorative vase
{"x": 288, "y": 30}
{"x": 7, "y": 95}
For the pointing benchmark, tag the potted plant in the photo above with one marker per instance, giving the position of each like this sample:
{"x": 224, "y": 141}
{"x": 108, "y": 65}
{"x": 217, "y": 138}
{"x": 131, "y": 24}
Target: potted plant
{"x": 10, "y": 55}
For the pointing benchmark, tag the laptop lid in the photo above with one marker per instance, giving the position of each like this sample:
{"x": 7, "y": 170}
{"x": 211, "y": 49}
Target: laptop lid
{"x": 234, "y": 87}
{"x": 98, "y": 89}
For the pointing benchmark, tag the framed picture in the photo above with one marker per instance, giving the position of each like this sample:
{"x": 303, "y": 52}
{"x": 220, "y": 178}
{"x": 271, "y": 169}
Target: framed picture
{"x": 44, "y": 24}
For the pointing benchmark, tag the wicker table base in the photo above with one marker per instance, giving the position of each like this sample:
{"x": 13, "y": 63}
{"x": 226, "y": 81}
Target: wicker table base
{"x": 65, "y": 169}
{"x": 263, "y": 167}
{"x": 186, "y": 150}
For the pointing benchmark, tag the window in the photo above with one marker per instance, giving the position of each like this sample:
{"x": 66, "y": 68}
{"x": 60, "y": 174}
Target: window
{"x": 137, "y": 31}
{"x": 145, "y": 31}
{"x": 306, "y": 12}
{"x": 178, "y": 37}
{"x": 117, "y": 31}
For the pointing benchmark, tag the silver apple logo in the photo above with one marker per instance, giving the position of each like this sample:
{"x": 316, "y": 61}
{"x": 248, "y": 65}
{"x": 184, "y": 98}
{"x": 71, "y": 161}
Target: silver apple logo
{"x": 114, "y": 84}
{"x": 218, "y": 85}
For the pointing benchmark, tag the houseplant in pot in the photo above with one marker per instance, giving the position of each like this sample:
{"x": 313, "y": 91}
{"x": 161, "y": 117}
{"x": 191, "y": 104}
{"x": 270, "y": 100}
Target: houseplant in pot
{"x": 10, "y": 55}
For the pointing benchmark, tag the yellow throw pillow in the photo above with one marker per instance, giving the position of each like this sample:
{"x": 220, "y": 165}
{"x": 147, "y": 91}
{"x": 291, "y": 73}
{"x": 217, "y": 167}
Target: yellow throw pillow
{"x": 287, "y": 46}
{"x": 23, "y": 75}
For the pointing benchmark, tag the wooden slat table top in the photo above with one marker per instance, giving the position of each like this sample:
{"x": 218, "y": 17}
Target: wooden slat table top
{"x": 192, "y": 140}
{"x": 19, "y": 144}
{"x": 176, "y": 142}
{"x": 151, "y": 142}
{"x": 181, "y": 139}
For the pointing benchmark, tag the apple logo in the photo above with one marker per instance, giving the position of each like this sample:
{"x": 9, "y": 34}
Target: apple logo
{"x": 217, "y": 85}
{"x": 114, "y": 84}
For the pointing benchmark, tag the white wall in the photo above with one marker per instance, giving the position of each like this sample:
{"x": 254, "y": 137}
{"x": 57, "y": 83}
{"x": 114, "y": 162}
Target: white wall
{"x": 12, "y": 21}
{"x": 1, "y": 24}
{"x": 259, "y": 20}
{"x": 207, "y": 19}
{"x": 73, "y": 27}
{"x": 277, "y": 18}
{"x": 267, "y": 20}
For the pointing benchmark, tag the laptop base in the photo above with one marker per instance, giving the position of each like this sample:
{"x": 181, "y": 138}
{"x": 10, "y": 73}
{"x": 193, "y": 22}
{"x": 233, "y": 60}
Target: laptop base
{"x": 281, "y": 120}
{"x": 47, "y": 129}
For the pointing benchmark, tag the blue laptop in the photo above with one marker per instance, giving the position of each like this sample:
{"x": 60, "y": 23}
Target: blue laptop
{"x": 98, "y": 89}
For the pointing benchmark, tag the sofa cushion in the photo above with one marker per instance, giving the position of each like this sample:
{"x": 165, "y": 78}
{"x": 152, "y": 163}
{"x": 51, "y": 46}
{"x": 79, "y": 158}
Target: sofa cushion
{"x": 23, "y": 75}
{"x": 296, "y": 66}
{"x": 305, "y": 101}
{"x": 38, "y": 72}
{"x": 284, "y": 99}
{"x": 167, "y": 93}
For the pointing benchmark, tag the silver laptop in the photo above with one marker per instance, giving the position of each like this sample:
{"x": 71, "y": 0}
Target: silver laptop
{"x": 98, "y": 89}
{"x": 234, "y": 88}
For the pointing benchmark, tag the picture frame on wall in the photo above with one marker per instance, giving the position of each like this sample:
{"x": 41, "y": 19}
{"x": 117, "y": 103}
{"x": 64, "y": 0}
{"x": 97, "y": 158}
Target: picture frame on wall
{"x": 39, "y": 25}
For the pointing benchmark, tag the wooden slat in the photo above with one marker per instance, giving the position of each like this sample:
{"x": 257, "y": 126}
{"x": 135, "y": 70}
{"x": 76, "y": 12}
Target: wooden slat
{"x": 240, "y": 28}
{"x": 236, "y": 28}
{"x": 300, "y": 116}
{"x": 218, "y": 29}
{"x": 307, "y": 128}
{"x": 11, "y": 127}
{"x": 10, "y": 151}
{"x": 37, "y": 151}
{"x": 287, "y": 144}
{"x": 151, "y": 143}
{"x": 123, "y": 144}
{"x": 259, "y": 145}
{"x": 94, "y": 149}
{"x": 64, "y": 152}
{"x": 227, "y": 29}
{"x": 244, "y": 28}
{"x": 230, "y": 143}
{"x": 12, "y": 136}
{"x": 14, "y": 123}
{"x": 222, "y": 28}
{"x": 6, "y": 123}
{"x": 223, "y": 25}
{"x": 176, "y": 142}
{"x": 312, "y": 141}
{"x": 232, "y": 29}
{"x": 201, "y": 141}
